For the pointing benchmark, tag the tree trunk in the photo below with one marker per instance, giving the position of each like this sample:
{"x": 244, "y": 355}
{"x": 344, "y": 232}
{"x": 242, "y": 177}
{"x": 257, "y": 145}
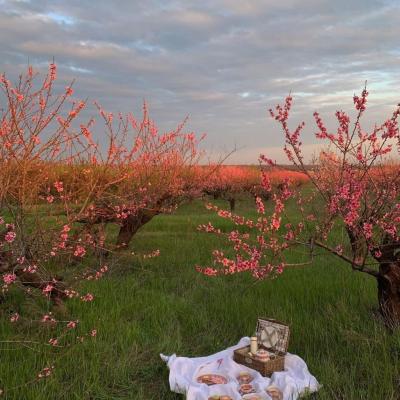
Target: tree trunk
{"x": 232, "y": 203}
{"x": 131, "y": 225}
{"x": 389, "y": 293}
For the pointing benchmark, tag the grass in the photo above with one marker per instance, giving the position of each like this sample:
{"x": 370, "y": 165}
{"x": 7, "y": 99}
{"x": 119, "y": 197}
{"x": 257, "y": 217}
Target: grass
{"x": 145, "y": 307}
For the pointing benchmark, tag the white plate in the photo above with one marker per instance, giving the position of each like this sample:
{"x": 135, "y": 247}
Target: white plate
{"x": 269, "y": 336}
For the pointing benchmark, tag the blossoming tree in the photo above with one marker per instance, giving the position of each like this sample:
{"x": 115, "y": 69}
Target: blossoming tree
{"x": 227, "y": 182}
{"x": 37, "y": 211}
{"x": 59, "y": 186}
{"x": 143, "y": 172}
{"x": 354, "y": 191}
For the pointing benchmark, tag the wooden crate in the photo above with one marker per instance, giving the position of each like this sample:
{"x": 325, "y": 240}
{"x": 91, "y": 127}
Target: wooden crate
{"x": 272, "y": 336}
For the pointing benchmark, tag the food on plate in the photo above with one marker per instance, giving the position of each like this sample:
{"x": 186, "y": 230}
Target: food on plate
{"x": 246, "y": 388}
{"x": 244, "y": 377}
{"x": 212, "y": 379}
{"x": 274, "y": 392}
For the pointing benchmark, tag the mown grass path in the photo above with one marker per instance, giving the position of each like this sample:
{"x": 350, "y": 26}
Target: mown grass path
{"x": 145, "y": 307}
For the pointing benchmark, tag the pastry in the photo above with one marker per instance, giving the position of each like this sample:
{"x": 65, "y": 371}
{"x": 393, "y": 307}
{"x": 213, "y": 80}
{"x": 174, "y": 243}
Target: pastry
{"x": 274, "y": 392}
{"x": 246, "y": 388}
{"x": 244, "y": 377}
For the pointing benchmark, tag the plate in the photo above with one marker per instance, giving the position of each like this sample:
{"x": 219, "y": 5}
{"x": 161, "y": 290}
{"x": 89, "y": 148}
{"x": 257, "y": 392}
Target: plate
{"x": 269, "y": 337}
{"x": 212, "y": 379}
{"x": 251, "y": 397}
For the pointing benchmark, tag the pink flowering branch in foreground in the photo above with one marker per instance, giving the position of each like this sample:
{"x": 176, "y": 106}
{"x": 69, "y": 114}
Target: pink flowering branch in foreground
{"x": 355, "y": 184}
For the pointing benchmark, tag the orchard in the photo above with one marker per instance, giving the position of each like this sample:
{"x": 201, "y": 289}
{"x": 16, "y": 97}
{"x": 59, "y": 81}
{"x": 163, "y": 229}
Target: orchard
{"x": 112, "y": 210}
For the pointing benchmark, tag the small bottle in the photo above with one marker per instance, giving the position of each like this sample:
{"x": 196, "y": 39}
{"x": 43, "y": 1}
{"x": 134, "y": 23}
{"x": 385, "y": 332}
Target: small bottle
{"x": 253, "y": 345}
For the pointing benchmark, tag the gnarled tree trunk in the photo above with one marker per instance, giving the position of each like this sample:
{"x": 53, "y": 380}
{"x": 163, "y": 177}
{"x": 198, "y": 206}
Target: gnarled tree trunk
{"x": 389, "y": 281}
{"x": 389, "y": 293}
{"x": 131, "y": 225}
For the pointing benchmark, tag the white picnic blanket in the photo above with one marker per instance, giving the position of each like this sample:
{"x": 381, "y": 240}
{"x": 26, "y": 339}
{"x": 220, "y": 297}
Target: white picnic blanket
{"x": 293, "y": 381}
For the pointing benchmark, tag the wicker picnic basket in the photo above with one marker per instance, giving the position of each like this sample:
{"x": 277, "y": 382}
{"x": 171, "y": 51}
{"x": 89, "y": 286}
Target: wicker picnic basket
{"x": 272, "y": 336}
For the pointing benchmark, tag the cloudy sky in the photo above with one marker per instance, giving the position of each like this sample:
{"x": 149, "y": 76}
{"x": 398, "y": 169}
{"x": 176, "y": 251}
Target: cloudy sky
{"x": 222, "y": 62}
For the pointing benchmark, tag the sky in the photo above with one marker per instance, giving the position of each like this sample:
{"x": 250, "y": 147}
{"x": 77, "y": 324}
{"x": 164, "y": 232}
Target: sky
{"x": 223, "y": 63}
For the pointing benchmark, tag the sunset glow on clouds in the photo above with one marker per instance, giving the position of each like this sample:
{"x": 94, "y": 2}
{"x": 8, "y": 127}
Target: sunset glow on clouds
{"x": 222, "y": 62}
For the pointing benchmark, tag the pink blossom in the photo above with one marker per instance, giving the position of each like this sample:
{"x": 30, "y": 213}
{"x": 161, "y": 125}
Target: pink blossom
{"x": 69, "y": 91}
{"x": 14, "y": 317}
{"x": 66, "y": 228}
{"x": 9, "y": 278}
{"x": 153, "y": 254}
{"x": 339, "y": 249}
{"x": 31, "y": 269}
{"x": 45, "y": 372}
{"x": 367, "y": 228}
{"x": 53, "y": 71}
{"x": 378, "y": 254}
{"x": 10, "y": 236}
{"x": 104, "y": 269}
{"x": 207, "y": 271}
{"x": 71, "y": 293}
{"x": 72, "y": 324}
{"x": 48, "y": 318}
{"x": 64, "y": 237}
{"x": 266, "y": 160}
{"x": 59, "y": 186}
{"x": 87, "y": 297}
{"x": 276, "y": 223}
{"x": 280, "y": 268}
{"x": 80, "y": 251}
{"x": 360, "y": 102}
{"x": 48, "y": 289}
{"x": 260, "y": 205}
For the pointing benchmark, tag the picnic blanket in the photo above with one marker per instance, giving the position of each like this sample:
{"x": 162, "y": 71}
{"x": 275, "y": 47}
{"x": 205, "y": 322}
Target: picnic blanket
{"x": 292, "y": 382}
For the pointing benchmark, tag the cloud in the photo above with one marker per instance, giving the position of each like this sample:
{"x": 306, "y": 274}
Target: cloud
{"x": 222, "y": 62}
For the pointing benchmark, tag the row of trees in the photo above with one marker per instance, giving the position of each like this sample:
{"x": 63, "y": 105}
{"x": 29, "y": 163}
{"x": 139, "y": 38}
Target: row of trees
{"x": 229, "y": 182}
{"x": 59, "y": 188}
{"x": 63, "y": 179}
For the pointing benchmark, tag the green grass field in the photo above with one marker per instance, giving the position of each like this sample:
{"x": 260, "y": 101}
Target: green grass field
{"x": 144, "y": 307}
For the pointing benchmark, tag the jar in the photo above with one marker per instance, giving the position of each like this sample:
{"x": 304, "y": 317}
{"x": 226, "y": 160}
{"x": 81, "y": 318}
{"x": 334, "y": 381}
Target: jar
{"x": 253, "y": 345}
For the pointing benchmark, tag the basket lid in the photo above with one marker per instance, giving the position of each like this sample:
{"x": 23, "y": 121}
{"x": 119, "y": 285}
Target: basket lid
{"x": 273, "y": 334}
